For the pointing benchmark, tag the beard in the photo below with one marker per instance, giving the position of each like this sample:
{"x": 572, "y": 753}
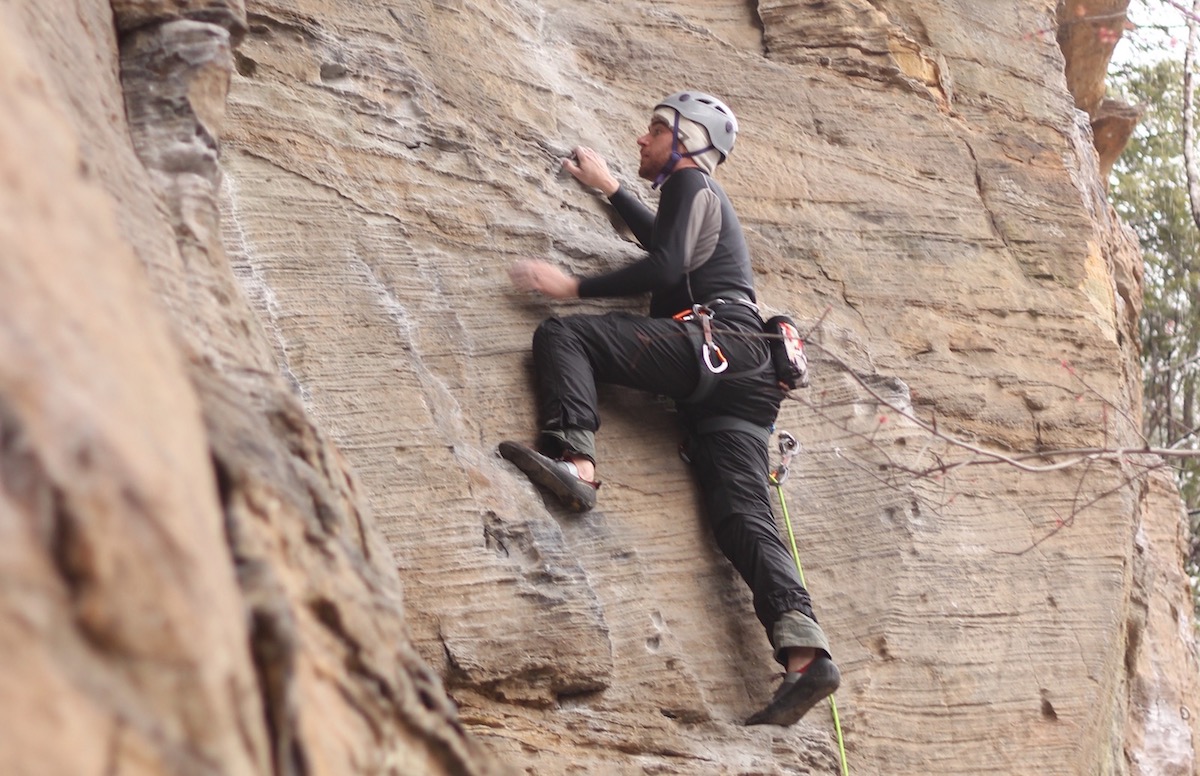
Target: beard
{"x": 649, "y": 167}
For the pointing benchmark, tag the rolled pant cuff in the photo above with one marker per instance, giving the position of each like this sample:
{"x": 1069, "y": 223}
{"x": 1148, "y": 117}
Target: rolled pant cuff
{"x": 575, "y": 441}
{"x": 795, "y": 629}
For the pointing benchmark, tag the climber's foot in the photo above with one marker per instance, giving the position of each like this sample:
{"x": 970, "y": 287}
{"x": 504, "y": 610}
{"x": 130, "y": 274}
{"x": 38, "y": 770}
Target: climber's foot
{"x": 575, "y": 493}
{"x": 798, "y": 693}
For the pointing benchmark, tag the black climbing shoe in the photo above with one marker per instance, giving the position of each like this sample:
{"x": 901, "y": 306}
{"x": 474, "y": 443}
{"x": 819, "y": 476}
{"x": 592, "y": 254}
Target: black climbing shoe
{"x": 577, "y": 495}
{"x": 799, "y": 693}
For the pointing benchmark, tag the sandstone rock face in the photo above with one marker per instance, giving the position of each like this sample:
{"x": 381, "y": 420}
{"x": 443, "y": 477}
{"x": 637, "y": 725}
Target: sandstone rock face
{"x": 193, "y": 582}
{"x": 258, "y": 348}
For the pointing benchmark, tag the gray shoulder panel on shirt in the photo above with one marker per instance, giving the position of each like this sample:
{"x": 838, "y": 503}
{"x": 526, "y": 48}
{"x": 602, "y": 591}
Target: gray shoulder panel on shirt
{"x": 703, "y": 229}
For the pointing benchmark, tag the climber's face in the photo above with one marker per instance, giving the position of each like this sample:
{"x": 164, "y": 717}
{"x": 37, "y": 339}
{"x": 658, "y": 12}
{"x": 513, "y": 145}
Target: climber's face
{"x": 655, "y": 148}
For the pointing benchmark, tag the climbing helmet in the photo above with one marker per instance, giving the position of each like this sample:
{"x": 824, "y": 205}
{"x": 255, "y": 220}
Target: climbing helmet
{"x": 706, "y": 110}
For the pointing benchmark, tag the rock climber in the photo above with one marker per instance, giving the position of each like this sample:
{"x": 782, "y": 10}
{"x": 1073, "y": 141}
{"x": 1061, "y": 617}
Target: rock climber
{"x": 702, "y": 345}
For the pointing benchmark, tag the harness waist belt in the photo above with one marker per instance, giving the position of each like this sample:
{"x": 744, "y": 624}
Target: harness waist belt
{"x": 730, "y": 423}
{"x": 732, "y": 297}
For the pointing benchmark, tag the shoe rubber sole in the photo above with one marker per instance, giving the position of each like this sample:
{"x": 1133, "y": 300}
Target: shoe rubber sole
{"x": 792, "y": 702}
{"x": 574, "y": 493}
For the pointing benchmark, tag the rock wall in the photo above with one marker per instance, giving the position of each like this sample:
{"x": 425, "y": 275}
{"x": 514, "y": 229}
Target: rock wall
{"x": 258, "y": 347}
{"x": 193, "y": 582}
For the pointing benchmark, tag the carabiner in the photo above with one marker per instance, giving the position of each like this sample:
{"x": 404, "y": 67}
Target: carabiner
{"x": 788, "y": 446}
{"x": 716, "y": 370}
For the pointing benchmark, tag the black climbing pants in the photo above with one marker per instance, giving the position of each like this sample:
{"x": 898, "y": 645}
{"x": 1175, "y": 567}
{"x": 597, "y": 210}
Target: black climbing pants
{"x": 574, "y": 353}
{"x": 731, "y": 470}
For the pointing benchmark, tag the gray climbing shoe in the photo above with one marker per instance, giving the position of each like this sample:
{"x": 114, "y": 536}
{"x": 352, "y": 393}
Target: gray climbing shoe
{"x": 576, "y": 494}
{"x": 798, "y": 693}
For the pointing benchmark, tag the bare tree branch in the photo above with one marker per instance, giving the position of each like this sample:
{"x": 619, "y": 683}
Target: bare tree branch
{"x": 983, "y": 456}
{"x": 1068, "y": 521}
{"x": 1174, "y": 365}
{"x": 1192, "y": 16}
{"x": 1134, "y": 424}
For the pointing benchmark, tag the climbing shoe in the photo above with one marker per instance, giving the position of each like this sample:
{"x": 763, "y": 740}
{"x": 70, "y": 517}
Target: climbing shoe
{"x": 798, "y": 693}
{"x": 577, "y": 495}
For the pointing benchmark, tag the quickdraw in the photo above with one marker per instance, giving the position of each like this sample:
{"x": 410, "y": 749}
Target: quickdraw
{"x": 705, "y": 315}
{"x": 788, "y": 449}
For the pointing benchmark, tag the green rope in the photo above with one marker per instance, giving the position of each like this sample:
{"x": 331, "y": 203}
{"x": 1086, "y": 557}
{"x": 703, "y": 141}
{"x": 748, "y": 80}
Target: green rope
{"x": 787, "y": 521}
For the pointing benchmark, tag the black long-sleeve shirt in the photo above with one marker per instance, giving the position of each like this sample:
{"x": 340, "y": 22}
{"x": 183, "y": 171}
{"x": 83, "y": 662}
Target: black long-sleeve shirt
{"x": 696, "y": 249}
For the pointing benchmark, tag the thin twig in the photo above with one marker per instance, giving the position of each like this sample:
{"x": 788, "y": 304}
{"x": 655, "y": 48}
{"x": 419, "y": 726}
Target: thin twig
{"x": 1070, "y": 519}
{"x": 1133, "y": 424}
{"x": 1191, "y": 15}
{"x": 1081, "y": 455}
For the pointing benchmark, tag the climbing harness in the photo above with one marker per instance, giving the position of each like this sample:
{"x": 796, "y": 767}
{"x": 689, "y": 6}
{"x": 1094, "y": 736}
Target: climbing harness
{"x": 714, "y": 364}
{"x": 712, "y": 425}
{"x": 704, "y": 315}
{"x": 788, "y": 449}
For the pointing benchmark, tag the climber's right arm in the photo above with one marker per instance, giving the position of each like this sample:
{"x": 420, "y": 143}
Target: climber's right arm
{"x": 590, "y": 169}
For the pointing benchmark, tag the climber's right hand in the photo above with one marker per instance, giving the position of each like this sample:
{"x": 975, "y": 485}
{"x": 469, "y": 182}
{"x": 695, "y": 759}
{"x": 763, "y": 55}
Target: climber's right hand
{"x": 590, "y": 169}
{"x": 543, "y": 278}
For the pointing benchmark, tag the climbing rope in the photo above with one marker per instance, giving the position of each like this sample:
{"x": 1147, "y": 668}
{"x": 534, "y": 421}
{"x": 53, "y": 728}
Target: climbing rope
{"x": 788, "y": 448}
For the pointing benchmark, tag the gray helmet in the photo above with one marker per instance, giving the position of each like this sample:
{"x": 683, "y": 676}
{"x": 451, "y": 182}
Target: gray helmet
{"x": 706, "y": 110}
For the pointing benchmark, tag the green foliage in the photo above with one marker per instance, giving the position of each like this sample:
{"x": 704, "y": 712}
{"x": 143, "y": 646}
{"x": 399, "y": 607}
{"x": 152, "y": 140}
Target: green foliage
{"x": 1149, "y": 190}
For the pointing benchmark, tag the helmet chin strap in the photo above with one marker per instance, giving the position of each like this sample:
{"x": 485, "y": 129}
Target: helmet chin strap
{"x": 669, "y": 167}
{"x": 675, "y": 158}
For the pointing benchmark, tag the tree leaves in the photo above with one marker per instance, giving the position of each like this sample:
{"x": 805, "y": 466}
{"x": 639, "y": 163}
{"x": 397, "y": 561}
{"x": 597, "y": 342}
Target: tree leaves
{"x": 1149, "y": 188}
